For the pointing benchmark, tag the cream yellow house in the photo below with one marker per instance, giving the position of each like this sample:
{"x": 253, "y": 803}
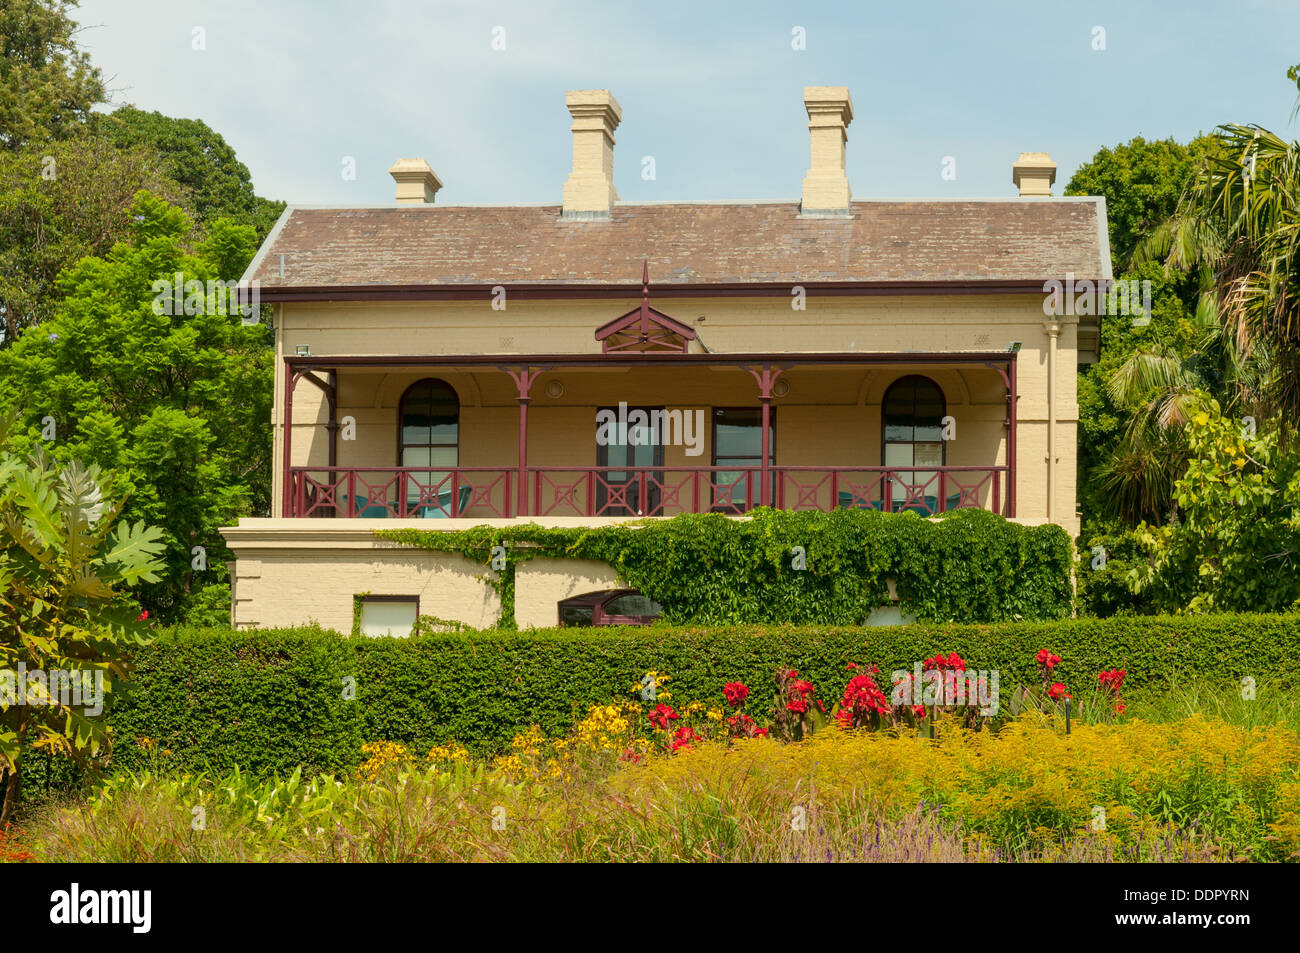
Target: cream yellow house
{"x": 594, "y": 360}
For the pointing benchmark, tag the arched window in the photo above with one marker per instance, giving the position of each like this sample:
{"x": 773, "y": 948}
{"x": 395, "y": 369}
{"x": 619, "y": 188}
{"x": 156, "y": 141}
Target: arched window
{"x": 609, "y": 607}
{"x": 429, "y": 431}
{"x": 911, "y": 436}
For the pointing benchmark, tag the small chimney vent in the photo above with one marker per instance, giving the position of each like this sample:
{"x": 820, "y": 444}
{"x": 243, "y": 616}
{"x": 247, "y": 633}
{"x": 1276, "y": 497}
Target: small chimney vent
{"x": 1033, "y": 174}
{"x": 417, "y": 184}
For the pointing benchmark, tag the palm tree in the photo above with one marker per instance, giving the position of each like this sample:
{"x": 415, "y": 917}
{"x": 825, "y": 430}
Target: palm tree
{"x": 1239, "y": 223}
{"x": 1238, "y": 229}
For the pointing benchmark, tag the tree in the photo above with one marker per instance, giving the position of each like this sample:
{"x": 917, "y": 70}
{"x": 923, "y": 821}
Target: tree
{"x": 65, "y": 614}
{"x": 47, "y": 86}
{"x": 176, "y": 404}
{"x": 1142, "y": 182}
{"x": 1127, "y": 468}
{"x": 1240, "y": 223}
{"x": 60, "y": 202}
{"x": 1236, "y": 546}
{"x": 200, "y": 160}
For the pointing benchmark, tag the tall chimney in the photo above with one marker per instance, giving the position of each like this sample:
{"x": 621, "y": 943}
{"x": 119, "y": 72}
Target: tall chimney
{"x": 1034, "y": 173}
{"x": 589, "y": 190}
{"x": 417, "y": 184}
{"x": 826, "y": 187}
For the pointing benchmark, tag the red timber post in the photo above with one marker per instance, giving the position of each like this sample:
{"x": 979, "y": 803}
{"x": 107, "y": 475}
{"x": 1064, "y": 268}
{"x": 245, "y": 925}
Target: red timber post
{"x": 766, "y": 377}
{"x": 1008, "y": 374}
{"x": 1012, "y": 400}
{"x": 286, "y": 425}
{"x": 524, "y": 378}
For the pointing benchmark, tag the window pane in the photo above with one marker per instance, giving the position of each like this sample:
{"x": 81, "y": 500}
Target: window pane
{"x": 738, "y": 435}
{"x": 898, "y": 455}
{"x": 899, "y": 429}
{"x": 415, "y": 429}
{"x": 928, "y": 454}
{"x": 387, "y": 618}
{"x": 415, "y": 457}
{"x": 928, "y": 431}
{"x": 444, "y": 431}
{"x": 575, "y": 615}
{"x": 633, "y": 603}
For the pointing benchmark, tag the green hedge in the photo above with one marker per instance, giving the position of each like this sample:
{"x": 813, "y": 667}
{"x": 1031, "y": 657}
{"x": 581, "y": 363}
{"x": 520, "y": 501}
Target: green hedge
{"x": 965, "y": 566}
{"x": 272, "y": 700}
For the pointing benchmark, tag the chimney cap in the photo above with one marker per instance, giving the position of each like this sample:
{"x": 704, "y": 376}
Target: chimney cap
{"x": 417, "y": 183}
{"x": 594, "y": 101}
{"x": 1034, "y": 173}
{"x": 829, "y": 99}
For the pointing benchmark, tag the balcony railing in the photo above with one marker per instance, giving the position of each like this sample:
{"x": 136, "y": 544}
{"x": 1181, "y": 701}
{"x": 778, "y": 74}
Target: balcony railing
{"x": 485, "y": 492}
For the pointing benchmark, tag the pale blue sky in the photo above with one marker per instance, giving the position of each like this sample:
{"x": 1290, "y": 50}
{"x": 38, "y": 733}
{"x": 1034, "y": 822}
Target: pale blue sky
{"x": 712, "y": 90}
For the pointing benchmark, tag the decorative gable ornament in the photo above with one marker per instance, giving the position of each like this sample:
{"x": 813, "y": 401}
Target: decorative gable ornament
{"x": 645, "y": 330}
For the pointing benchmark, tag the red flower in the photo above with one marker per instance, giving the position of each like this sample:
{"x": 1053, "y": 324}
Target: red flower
{"x": 742, "y": 726}
{"x": 862, "y": 698}
{"x": 952, "y": 661}
{"x": 142, "y": 616}
{"x": 1056, "y": 691}
{"x": 683, "y": 737}
{"x": 1047, "y": 659}
{"x": 1112, "y": 680}
{"x": 662, "y": 715}
{"x": 736, "y": 693}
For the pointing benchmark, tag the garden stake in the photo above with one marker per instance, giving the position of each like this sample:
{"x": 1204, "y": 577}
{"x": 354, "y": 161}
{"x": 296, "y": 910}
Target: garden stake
{"x": 1067, "y": 714}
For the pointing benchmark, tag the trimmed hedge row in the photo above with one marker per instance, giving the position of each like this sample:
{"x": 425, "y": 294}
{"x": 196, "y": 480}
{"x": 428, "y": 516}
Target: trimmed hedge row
{"x": 272, "y": 700}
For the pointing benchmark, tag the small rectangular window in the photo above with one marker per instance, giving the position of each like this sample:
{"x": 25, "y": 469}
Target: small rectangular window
{"x": 389, "y": 615}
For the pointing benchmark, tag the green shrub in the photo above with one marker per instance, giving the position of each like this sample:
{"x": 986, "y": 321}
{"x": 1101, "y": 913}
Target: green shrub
{"x": 966, "y": 566}
{"x": 272, "y": 700}
{"x": 1106, "y": 590}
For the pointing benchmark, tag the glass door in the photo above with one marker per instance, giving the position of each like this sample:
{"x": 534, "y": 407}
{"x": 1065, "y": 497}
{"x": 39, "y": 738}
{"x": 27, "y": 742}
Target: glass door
{"x": 913, "y": 411}
{"x": 639, "y": 449}
{"x": 738, "y": 442}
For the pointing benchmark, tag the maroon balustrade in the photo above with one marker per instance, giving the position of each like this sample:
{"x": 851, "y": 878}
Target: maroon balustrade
{"x": 485, "y": 492}
{"x": 401, "y": 492}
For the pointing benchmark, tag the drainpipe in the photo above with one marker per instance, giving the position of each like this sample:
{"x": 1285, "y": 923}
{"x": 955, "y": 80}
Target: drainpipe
{"x": 1053, "y": 333}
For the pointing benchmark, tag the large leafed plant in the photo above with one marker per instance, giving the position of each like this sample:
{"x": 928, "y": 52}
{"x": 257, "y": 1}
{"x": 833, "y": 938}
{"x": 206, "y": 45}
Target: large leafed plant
{"x": 66, "y": 568}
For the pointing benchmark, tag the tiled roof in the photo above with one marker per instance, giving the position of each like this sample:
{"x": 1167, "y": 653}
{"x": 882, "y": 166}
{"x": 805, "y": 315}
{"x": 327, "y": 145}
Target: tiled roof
{"x": 919, "y": 242}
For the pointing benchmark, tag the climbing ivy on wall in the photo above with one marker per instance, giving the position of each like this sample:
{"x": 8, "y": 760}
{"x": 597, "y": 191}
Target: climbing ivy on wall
{"x": 804, "y": 567}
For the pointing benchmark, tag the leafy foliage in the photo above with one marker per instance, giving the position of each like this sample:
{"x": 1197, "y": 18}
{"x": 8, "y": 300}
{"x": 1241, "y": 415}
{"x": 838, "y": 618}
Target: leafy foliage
{"x": 47, "y": 86}
{"x": 176, "y": 405}
{"x": 216, "y": 182}
{"x": 1237, "y": 544}
{"x": 60, "y": 202}
{"x": 65, "y": 563}
{"x": 272, "y": 700}
{"x": 968, "y": 566}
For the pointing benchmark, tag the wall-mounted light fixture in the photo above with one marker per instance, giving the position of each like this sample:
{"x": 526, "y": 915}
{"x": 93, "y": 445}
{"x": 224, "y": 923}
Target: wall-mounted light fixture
{"x": 304, "y": 350}
{"x": 1013, "y": 347}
